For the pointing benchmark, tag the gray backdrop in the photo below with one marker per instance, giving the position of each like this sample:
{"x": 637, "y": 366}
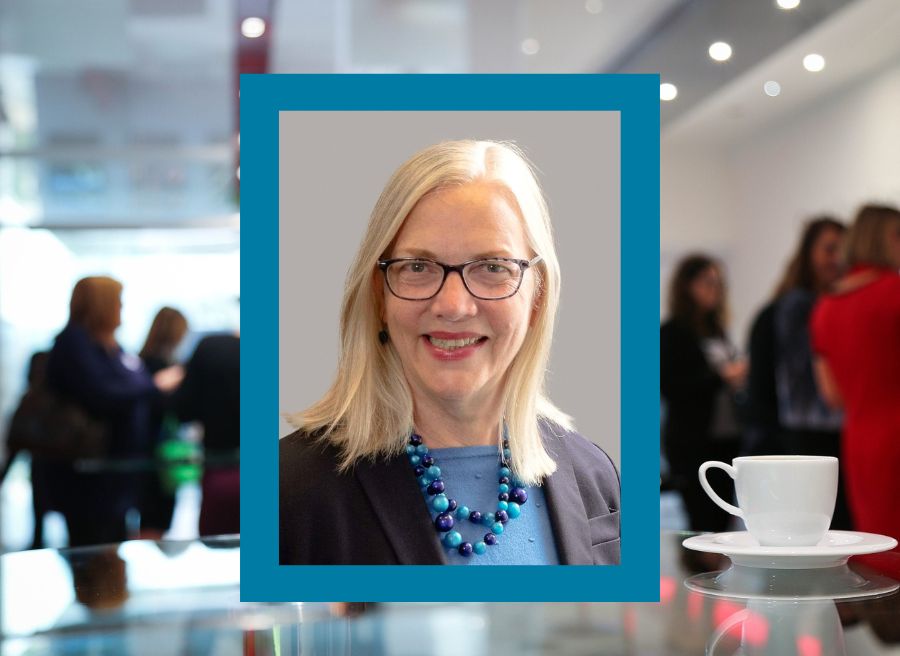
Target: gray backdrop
{"x": 333, "y": 166}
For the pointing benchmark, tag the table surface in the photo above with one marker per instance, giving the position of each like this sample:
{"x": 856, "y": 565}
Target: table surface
{"x": 145, "y": 597}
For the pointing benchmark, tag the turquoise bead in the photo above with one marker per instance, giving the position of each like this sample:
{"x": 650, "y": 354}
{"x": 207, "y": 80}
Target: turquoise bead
{"x": 497, "y": 528}
{"x": 504, "y": 488}
{"x": 415, "y": 460}
{"x": 410, "y": 449}
{"x": 479, "y": 548}
{"x": 435, "y": 472}
{"x": 424, "y": 480}
{"x": 453, "y": 539}
{"x": 502, "y": 505}
{"x": 462, "y": 512}
{"x": 513, "y": 510}
{"x": 507, "y": 454}
{"x": 489, "y": 519}
{"x": 440, "y": 502}
{"x": 421, "y": 449}
{"x": 504, "y": 471}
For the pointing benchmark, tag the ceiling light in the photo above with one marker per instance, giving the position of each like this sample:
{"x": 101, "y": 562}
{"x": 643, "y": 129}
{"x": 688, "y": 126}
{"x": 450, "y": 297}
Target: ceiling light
{"x": 253, "y": 27}
{"x": 531, "y": 46}
{"x": 667, "y": 91}
{"x": 593, "y": 6}
{"x": 788, "y": 4}
{"x": 720, "y": 51}
{"x": 814, "y": 63}
{"x": 772, "y": 88}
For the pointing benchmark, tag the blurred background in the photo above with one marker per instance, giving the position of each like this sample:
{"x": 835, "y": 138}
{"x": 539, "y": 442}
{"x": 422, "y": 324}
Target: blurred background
{"x": 119, "y": 138}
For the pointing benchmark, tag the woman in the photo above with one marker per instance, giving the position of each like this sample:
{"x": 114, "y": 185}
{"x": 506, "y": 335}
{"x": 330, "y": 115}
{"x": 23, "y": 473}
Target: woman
{"x": 699, "y": 372}
{"x": 157, "y": 505}
{"x": 88, "y": 367}
{"x": 856, "y": 336}
{"x": 436, "y": 443}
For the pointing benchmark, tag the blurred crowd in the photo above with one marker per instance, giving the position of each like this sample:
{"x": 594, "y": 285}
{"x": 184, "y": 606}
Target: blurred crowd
{"x": 103, "y": 427}
{"x": 820, "y": 374}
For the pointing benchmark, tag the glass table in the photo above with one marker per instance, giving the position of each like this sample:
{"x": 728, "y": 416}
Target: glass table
{"x": 158, "y": 598}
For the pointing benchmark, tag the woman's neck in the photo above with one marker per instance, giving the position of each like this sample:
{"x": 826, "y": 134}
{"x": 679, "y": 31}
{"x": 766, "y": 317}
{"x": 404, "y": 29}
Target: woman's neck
{"x": 444, "y": 425}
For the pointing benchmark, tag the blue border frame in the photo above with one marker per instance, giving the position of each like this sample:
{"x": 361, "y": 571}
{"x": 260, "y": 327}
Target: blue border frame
{"x": 636, "y": 97}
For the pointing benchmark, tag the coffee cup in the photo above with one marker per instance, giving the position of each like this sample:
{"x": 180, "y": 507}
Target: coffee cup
{"x": 785, "y": 501}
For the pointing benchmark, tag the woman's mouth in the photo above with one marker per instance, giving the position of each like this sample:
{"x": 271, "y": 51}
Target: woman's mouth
{"x": 453, "y": 347}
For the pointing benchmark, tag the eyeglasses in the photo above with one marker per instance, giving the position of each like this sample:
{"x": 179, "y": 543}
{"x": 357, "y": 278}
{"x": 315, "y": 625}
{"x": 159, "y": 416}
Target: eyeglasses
{"x": 419, "y": 279}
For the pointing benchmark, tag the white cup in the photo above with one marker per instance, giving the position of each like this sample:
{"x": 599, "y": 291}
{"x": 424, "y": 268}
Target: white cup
{"x": 784, "y": 500}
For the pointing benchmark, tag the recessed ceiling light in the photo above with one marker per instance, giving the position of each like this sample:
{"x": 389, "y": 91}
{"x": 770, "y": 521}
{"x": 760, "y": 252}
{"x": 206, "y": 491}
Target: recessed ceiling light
{"x": 593, "y": 6}
{"x": 772, "y": 88}
{"x": 253, "y": 27}
{"x": 720, "y": 51}
{"x": 531, "y": 46}
{"x": 788, "y": 4}
{"x": 813, "y": 62}
{"x": 667, "y": 91}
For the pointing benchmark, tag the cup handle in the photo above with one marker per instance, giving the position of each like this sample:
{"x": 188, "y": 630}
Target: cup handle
{"x": 724, "y": 505}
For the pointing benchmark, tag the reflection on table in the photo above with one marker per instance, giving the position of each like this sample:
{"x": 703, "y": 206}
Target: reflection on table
{"x": 183, "y": 598}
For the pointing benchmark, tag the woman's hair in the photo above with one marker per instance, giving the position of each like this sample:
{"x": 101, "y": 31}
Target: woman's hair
{"x": 866, "y": 241}
{"x": 682, "y": 306}
{"x": 799, "y": 273}
{"x": 368, "y": 411}
{"x": 96, "y": 304}
{"x": 166, "y": 332}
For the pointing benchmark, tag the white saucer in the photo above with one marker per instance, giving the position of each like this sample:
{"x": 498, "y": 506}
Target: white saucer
{"x": 833, "y": 550}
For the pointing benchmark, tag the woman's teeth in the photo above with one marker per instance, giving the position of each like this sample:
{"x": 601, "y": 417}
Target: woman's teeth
{"x": 450, "y": 344}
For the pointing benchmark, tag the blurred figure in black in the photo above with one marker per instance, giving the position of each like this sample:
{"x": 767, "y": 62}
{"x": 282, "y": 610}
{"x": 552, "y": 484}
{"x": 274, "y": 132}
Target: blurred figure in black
{"x": 211, "y": 395}
{"x": 156, "y": 504}
{"x": 700, "y": 373}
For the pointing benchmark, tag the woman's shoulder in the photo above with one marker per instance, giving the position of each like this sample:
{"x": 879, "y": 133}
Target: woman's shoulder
{"x": 587, "y": 457}
{"x": 308, "y": 456}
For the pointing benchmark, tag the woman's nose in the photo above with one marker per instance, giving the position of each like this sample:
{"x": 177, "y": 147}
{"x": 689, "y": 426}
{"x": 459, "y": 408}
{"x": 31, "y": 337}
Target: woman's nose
{"x": 453, "y": 300}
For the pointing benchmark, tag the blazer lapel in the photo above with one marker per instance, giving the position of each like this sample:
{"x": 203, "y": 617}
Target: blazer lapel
{"x": 567, "y": 514}
{"x": 399, "y": 507}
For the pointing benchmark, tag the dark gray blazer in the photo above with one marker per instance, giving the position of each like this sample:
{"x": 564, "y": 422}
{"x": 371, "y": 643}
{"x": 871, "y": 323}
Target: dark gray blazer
{"x": 374, "y": 515}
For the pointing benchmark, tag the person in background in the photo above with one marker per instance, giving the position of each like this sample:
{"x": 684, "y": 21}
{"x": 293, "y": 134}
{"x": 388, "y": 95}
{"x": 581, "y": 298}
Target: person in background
{"x": 211, "y": 394}
{"x": 856, "y": 338}
{"x": 88, "y": 367}
{"x": 700, "y": 371}
{"x": 156, "y": 505}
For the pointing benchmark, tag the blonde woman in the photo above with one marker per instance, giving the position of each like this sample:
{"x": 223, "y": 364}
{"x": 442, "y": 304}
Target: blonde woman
{"x": 436, "y": 443}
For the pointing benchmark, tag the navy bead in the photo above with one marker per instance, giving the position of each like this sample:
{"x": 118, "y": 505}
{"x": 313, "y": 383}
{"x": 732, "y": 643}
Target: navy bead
{"x": 465, "y": 549}
{"x": 503, "y": 496}
{"x": 436, "y": 487}
{"x": 519, "y": 495}
{"x": 504, "y": 480}
{"x": 420, "y": 471}
{"x": 415, "y": 440}
{"x": 428, "y": 460}
{"x": 453, "y": 505}
{"x": 475, "y": 517}
{"x": 501, "y": 516}
{"x": 443, "y": 522}
{"x": 490, "y": 539}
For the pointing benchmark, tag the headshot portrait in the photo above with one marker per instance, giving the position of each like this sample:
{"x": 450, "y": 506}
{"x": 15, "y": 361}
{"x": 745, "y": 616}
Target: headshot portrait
{"x": 449, "y": 338}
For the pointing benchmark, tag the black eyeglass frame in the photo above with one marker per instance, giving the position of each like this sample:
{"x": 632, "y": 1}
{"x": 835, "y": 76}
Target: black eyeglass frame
{"x": 448, "y": 268}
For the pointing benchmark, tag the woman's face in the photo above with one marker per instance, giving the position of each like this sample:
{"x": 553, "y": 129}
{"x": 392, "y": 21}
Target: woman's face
{"x": 825, "y": 258}
{"x": 455, "y": 225}
{"x": 706, "y": 289}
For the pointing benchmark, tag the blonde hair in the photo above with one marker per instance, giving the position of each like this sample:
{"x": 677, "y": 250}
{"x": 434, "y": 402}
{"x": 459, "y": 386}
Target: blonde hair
{"x": 368, "y": 411}
{"x": 867, "y": 239}
{"x": 95, "y": 305}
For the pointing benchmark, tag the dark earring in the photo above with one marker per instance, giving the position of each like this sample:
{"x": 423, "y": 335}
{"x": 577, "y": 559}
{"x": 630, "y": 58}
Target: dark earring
{"x": 383, "y": 336}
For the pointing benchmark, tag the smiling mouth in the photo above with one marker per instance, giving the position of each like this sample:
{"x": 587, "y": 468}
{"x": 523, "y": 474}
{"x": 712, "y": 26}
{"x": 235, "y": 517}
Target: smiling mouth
{"x": 453, "y": 344}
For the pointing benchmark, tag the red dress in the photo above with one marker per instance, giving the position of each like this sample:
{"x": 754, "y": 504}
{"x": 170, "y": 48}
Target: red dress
{"x": 858, "y": 334}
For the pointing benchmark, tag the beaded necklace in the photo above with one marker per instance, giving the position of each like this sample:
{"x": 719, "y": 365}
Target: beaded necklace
{"x": 511, "y": 497}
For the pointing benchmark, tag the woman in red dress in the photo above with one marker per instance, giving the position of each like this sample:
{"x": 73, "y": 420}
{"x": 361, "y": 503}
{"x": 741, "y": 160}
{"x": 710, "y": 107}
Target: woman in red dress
{"x": 856, "y": 336}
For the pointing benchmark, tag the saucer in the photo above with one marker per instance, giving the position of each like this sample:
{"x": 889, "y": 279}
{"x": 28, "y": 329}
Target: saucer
{"x": 832, "y": 551}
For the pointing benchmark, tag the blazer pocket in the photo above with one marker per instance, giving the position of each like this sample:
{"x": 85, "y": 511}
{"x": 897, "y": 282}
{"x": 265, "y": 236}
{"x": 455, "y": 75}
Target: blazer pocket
{"x": 604, "y": 528}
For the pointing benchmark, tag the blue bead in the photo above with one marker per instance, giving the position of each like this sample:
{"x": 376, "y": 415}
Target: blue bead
{"x": 453, "y": 539}
{"x": 436, "y": 487}
{"x": 410, "y": 449}
{"x": 462, "y": 512}
{"x": 514, "y": 510}
{"x": 420, "y": 471}
{"x": 479, "y": 548}
{"x": 440, "y": 503}
{"x": 502, "y": 505}
{"x": 424, "y": 480}
{"x": 504, "y": 479}
{"x": 507, "y": 454}
{"x": 497, "y": 528}
{"x": 490, "y": 539}
{"x": 434, "y": 471}
{"x": 475, "y": 517}
{"x": 452, "y": 505}
{"x": 519, "y": 495}
{"x": 465, "y": 549}
{"x": 504, "y": 471}
{"x": 421, "y": 449}
{"x": 428, "y": 460}
{"x": 415, "y": 439}
{"x": 503, "y": 496}
{"x": 443, "y": 522}
{"x": 488, "y": 519}
{"x": 504, "y": 487}
{"x": 414, "y": 460}
{"x": 502, "y": 516}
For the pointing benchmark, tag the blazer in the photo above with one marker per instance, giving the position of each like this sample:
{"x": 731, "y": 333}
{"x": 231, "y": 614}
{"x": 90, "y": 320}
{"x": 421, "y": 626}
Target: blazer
{"x": 375, "y": 514}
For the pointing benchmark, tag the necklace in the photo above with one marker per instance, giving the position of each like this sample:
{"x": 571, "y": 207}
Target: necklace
{"x": 510, "y": 498}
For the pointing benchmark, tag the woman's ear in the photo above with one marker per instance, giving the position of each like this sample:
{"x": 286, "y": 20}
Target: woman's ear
{"x": 537, "y": 303}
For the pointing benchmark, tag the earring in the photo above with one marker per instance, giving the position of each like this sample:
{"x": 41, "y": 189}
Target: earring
{"x": 383, "y": 336}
